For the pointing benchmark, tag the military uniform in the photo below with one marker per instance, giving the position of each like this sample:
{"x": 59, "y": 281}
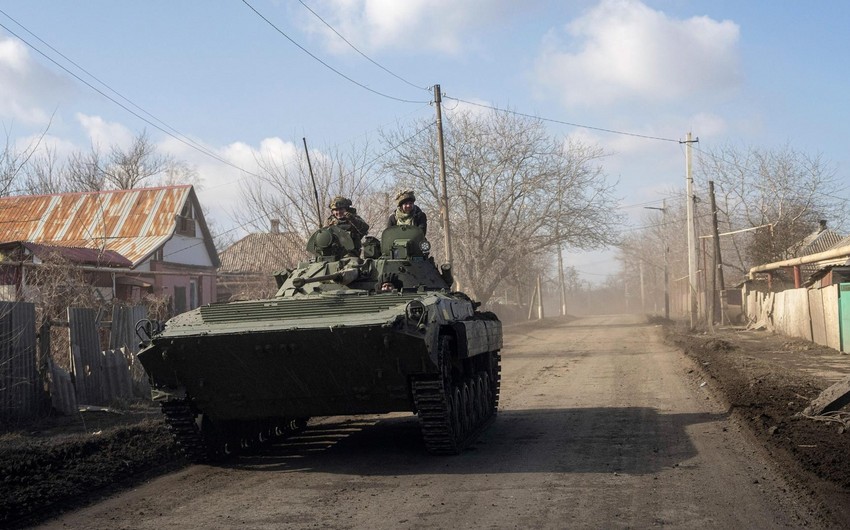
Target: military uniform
{"x": 416, "y": 217}
{"x": 351, "y": 222}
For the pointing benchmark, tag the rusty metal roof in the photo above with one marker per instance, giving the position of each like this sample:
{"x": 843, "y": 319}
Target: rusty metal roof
{"x": 84, "y": 256}
{"x": 132, "y": 223}
{"x": 263, "y": 253}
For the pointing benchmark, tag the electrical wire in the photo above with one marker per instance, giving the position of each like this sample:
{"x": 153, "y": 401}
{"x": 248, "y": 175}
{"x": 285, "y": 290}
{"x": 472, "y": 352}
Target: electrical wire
{"x": 561, "y": 122}
{"x": 183, "y": 138}
{"x": 353, "y": 47}
{"x": 352, "y": 172}
{"x": 103, "y": 83}
{"x": 126, "y": 108}
{"x": 323, "y": 63}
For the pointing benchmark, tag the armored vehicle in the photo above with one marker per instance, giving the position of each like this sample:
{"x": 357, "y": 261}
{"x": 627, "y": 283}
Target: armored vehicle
{"x": 344, "y": 335}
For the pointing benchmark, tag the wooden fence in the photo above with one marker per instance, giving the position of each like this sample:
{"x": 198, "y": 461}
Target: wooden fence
{"x": 810, "y": 314}
{"x": 20, "y": 388}
{"x": 29, "y": 378}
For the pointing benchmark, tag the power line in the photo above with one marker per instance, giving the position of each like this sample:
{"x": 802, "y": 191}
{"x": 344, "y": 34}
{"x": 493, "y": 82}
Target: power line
{"x": 182, "y": 137}
{"x": 561, "y": 122}
{"x": 358, "y": 51}
{"x": 326, "y": 65}
{"x": 255, "y": 219}
{"x": 179, "y": 136}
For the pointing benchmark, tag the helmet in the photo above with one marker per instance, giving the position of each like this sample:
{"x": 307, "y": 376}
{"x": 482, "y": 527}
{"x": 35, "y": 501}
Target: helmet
{"x": 404, "y": 195}
{"x": 340, "y": 202}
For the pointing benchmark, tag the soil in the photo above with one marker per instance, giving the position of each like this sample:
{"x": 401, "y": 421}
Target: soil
{"x": 765, "y": 380}
{"x": 62, "y": 462}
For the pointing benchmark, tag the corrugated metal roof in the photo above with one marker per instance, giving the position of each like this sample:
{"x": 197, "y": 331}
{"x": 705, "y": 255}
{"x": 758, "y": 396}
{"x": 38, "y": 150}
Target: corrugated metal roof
{"x": 818, "y": 242}
{"x": 132, "y": 223}
{"x": 86, "y": 256}
{"x": 263, "y": 253}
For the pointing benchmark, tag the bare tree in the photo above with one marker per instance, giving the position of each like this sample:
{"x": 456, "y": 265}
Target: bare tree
{"x": 514, "y": 192}
{"x": 14, "y": 161}
{"x": 784, "y": 188}
{"x": 85, "y": 171}
{"x": 284, "y": 190}
{"x": 137, "y": 165}
{"x": 46, "y": 174}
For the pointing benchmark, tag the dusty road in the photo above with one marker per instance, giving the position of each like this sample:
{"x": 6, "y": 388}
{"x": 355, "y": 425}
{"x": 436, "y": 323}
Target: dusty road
{"x": 600, "y": 426}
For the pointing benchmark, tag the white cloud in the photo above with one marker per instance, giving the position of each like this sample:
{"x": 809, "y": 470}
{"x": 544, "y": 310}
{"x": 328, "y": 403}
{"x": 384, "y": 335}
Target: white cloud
{"x": 13, "y": 55}
{"x": 220, "y": 182}
{"x": 373, "y": 25}
{"x": 475, "y": 107}
{"x": 26, "y": 85}
{"x": 105, "y": 134}
{"x": 709, "y": 125}
{"x": 623, "y": 51}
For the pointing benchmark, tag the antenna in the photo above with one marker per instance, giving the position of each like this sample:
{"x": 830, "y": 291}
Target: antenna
{"x": 313, "y": 179}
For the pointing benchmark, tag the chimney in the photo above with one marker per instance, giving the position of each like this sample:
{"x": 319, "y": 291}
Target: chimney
{"x": 276, "y": 226}
{"x": 822, "y": 225}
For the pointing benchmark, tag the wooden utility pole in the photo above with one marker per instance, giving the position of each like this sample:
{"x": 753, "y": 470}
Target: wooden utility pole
{"x": 692, "y": 253}
{"x": 666, "y": 257}
{"x": 539, "y": 299}
{"x": 444, "y": 198}
{"x": 642, "y": 289}
{"x": 718, "y": 260}
{"x": 562, "y": 287}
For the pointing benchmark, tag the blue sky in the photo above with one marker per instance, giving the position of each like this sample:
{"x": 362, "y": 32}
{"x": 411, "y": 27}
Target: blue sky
{"x": 753, "y": 73}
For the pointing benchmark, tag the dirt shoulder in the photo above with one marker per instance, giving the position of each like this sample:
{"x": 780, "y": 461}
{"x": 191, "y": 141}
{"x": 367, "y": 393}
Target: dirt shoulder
{"x": 61, "y": 463}
{"x": 767, "y": 380}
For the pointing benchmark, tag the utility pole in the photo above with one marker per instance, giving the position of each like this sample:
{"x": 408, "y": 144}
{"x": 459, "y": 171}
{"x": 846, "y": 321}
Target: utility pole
{"x": 539, "y": 299}
{"x": 642, "y": 290}
{"x": 561, "y": 283}
{"x": 444, "y": 198}
{"x": 666, "y": 258}
{"x": 692, "y": 255}
{"x": 718, "y": 260}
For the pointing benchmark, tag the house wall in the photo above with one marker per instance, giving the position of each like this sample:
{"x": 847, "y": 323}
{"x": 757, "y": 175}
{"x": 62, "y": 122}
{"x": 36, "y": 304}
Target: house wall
{"x": 187, "y": 251}
{"x": 177, "y": 283}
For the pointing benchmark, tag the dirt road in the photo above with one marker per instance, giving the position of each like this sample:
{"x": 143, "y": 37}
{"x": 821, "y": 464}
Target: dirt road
{"x": 601, "y": 425}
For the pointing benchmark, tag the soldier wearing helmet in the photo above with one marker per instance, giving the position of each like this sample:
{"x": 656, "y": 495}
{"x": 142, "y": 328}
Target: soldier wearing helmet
{"x": 408, "y": 213}
{"x": 345, "y": 216}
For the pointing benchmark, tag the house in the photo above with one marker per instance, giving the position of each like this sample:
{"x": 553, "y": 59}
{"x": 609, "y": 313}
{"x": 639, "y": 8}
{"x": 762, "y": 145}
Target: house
{"x": 128, "y": 243}
{"x": 248, "y": 266}
{"x": 806, "y": 261}
{"x": 834, "y": 270}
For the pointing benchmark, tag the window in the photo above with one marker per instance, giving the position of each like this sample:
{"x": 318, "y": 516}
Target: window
{"x": 186, "y": 221}
{"x": 193, "y": 294}
{"x": 179, "y": 300}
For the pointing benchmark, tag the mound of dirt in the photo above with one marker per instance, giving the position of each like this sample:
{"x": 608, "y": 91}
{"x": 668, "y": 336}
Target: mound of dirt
{"x": 61, "y": 463}
{"x": 767, "y": 381}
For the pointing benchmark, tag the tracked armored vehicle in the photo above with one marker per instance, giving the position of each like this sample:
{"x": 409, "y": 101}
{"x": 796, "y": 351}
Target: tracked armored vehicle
{"x": 344, "y": 335}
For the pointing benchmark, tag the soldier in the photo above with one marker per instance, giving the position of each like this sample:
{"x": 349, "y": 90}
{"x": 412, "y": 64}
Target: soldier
{"x": 408, "y": 213}
{"x": 344, "y": 216}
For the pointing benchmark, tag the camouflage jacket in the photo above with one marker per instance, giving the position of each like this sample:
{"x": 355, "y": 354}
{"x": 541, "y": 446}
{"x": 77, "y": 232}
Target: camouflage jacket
{"x": 416, "y": 218}
{"x": 353, "y": 224}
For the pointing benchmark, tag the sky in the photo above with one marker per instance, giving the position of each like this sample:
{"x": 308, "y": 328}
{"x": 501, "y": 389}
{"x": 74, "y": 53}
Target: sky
{"x": 254, "y": 77}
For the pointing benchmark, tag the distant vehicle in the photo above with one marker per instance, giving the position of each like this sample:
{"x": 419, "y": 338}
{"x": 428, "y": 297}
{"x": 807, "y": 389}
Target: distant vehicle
{"x": 343, "y": 335}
